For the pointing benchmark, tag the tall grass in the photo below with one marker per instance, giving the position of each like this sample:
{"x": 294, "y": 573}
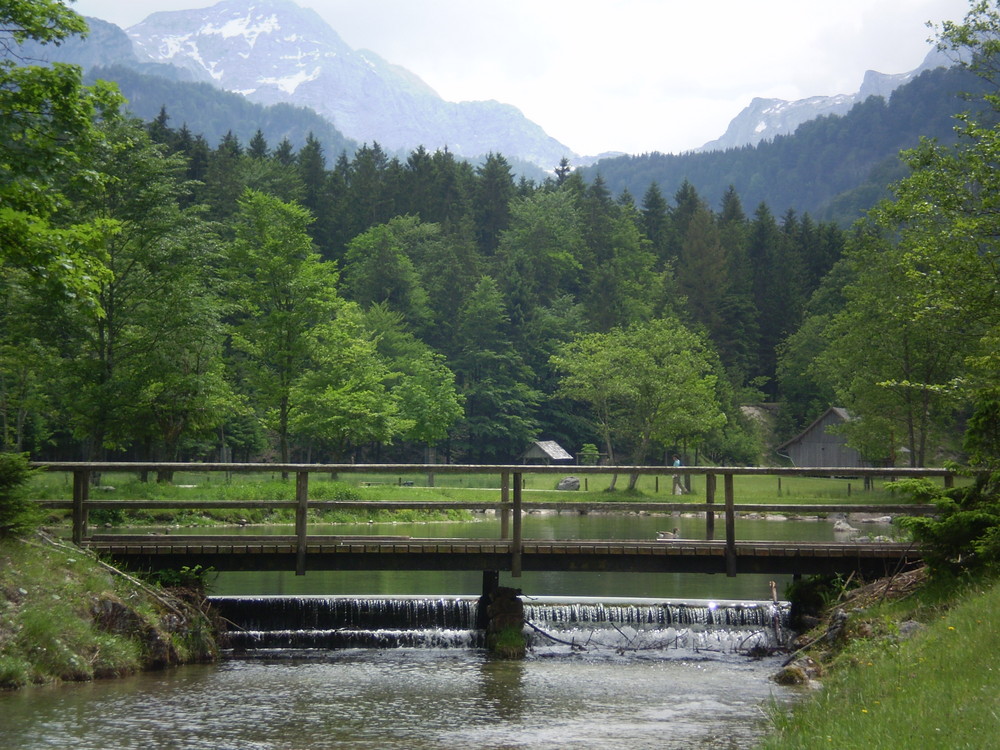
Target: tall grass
{"x": 46, "y": 628}
{"x": 939, "y": 689}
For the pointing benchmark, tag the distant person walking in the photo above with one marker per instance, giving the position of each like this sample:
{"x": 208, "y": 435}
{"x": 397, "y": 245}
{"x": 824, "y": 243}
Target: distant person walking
{"x": 678, "y": 486}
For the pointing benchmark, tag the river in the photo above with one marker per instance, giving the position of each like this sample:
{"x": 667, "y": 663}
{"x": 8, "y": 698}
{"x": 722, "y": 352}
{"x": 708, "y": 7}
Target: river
{"x": 674, "y": 697}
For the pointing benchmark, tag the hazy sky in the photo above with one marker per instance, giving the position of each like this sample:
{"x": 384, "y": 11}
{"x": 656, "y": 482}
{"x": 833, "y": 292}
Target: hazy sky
{"x": 624, "y": 75}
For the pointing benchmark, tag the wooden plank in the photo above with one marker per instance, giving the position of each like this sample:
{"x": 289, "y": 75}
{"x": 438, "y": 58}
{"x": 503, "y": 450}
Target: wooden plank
{"x": 730, "y": 527}
{"x": 81, "y": 492}
{"x": 515, "y": 544}
{"x": 301, "y": 515}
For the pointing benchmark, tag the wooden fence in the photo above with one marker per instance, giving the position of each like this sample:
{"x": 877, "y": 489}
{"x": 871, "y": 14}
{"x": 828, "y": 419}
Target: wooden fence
{"x": 510, "y": 503}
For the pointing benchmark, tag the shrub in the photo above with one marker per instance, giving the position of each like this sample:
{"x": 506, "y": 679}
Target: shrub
{"x": 18, "y": 515}
{"x": 965, "y": 535}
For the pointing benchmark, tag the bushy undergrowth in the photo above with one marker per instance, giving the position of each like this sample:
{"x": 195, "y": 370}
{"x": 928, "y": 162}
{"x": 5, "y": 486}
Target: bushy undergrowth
{"x": 18, "y": 515}
{"x": 964, "y": 537}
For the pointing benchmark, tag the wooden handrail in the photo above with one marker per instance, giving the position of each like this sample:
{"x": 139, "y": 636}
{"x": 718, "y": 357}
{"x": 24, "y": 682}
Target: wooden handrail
{"x": 511, "y": 477}
{"x": 815, "y": 471}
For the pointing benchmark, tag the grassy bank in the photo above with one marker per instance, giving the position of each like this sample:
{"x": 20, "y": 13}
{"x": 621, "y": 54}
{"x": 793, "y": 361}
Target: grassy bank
{"x": 938, "y": 687}
{"x": 65, "y": 616}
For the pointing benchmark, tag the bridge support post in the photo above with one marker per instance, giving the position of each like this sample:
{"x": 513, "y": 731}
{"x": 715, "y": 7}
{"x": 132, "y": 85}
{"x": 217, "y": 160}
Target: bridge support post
{"x": 491, "y": 582}
{"x": 515, "y": 544}
{"x": 504, "y": 500}
{"x": 730, "y": 527}
{"x": 81, "y": 492}
{"x": 301, "y": 510}
{"x": 710, "y": 500}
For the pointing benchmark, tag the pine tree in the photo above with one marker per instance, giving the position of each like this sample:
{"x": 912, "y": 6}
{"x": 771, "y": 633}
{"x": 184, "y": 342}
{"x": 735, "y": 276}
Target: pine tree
{"x": 656, "y": 223}
{"x": 492, "y": 195}
{"x": 257, "y": 148}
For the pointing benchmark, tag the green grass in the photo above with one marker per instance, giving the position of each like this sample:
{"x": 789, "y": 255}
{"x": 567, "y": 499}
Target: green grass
{"x": 48, "y": 632}
{"x": 940, "y": 688}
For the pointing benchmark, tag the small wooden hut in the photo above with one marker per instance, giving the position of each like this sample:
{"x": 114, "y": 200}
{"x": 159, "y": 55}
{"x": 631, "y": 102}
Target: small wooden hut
{"x": 817, "y": 446}
{"x": 545, "y": 451}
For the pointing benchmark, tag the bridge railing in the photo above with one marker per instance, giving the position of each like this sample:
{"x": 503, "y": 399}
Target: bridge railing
{"x": 510, "y": 505}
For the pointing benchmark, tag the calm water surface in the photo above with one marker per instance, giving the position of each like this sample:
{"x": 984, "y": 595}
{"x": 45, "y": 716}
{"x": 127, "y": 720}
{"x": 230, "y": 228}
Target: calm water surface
{"x": 561, "y": 526}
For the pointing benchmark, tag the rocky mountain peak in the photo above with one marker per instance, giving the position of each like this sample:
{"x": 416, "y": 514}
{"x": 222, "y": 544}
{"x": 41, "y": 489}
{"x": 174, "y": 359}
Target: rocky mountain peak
{"x": 764, "y": 119}
{"x": 274, "y": 51}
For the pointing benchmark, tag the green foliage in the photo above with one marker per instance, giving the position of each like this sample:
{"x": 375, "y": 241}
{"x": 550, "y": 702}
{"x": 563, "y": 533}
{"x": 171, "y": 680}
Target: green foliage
{"x": 935, "y": 244}
{"x": 18, "y": 514}
{"x": 47, "y": 128}
{"x": 127, "y": 386}
{"x": 342, "y": 398}
{"x": 649, "y": 385}
{"x": 235, "y": 334}
{"x": 282, "y": 295}
{"x": 588, "y": 455}
{"x": 964, "y": 536}
{"x": 982, "y": 433}
{"x": 193, "y": 577}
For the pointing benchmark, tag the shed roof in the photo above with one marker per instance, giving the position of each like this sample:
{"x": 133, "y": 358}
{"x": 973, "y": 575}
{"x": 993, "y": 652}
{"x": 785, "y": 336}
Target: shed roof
{"x": 547, "y": 449}
{"x": 837, "y": 411}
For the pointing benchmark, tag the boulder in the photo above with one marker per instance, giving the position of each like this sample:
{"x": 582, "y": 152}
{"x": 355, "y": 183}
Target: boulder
{"x": 568, "y": 483}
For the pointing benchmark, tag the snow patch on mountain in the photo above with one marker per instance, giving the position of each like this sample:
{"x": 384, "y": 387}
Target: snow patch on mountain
{"x": 249, "y": 28}
{"x": 288, "y": 84}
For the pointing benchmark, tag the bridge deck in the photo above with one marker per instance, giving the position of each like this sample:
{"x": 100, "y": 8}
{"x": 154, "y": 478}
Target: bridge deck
{"x": 229, "y": 553}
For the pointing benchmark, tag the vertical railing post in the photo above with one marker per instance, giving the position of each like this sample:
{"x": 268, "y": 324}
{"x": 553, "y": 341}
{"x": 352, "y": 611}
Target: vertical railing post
{"x": 710, "y": 500}
{"x": 81, "y": 491}
{"x": 730, "y": 528}
{"x": 504, "y": 505}
{"x": 949, "y": 481}
{"x": 515, "y": 545}
{"x": 301, "y": 513}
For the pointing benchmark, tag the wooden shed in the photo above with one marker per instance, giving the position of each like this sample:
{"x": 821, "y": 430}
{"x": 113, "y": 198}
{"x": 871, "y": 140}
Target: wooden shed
{"x": 817, "y": 446}
{"x": 545, "y": 451}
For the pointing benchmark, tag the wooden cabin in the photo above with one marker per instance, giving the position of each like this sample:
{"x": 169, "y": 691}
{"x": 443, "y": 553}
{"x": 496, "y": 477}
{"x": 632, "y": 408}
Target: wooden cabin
{"x": 817, "y": 446}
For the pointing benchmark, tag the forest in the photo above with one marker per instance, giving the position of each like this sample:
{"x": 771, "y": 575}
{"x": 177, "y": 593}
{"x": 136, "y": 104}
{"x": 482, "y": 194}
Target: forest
{"x": 168, "y": 298}
{"x": 835, "y": 167}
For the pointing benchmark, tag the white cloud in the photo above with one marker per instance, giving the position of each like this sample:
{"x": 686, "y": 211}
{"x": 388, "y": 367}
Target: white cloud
{"x": 629, "y": 75}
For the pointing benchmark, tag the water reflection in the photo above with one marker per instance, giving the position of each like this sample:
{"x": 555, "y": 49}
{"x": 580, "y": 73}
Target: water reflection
{"x": 549, "y": 583}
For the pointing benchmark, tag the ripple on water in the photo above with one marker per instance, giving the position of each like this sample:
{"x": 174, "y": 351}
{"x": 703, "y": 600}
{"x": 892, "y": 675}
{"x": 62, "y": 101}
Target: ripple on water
{"x": 406, "y": 698}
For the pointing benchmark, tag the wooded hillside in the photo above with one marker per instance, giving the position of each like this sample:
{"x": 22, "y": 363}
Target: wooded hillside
{"x": 167, "y": 297}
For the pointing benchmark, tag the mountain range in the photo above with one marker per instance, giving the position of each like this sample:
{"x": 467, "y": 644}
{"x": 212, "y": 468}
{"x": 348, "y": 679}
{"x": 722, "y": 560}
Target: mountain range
{"x": 765, "y": 119}
{"x": 274, "y": 52}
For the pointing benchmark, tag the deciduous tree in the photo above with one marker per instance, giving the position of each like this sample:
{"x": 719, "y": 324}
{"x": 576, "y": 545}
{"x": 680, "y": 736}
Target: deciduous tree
{"x": 649, "y": 384}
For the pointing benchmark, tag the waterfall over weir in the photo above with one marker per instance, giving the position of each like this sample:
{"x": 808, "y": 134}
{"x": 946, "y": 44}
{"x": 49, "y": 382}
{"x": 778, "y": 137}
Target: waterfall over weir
{"x": 266, "y": 623}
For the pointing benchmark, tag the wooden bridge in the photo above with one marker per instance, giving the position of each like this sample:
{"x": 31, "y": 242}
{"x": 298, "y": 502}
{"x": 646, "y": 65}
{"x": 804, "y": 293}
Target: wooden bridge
{"x": 303, "y": 551}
